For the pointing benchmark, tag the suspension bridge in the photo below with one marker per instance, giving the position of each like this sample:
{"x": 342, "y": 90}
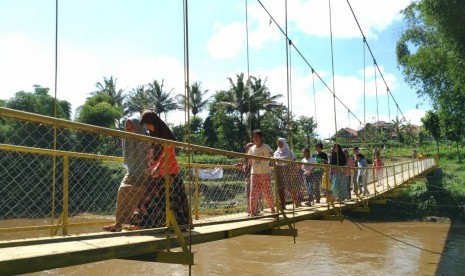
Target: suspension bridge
{"x": 45, "y": 194}
{"x": 60, "y": 183}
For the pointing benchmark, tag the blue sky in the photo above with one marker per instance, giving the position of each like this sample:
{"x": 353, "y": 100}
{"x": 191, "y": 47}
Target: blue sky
{"x": 141, "y": 41}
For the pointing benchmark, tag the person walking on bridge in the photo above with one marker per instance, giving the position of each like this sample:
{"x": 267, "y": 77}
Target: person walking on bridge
{"x": 320, "y": 158}
{"x": 260, "y": 172}
{"x": 285, "y": 171}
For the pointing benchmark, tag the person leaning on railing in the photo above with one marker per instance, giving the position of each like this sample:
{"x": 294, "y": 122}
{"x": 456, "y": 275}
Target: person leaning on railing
{"x": 134, "y": 183}
{"x": 153, "y": 213}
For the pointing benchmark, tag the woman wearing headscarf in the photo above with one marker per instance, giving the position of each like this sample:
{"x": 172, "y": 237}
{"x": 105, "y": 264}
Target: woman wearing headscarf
{"x": 153, "y": 213}
{"x": 134, "y": 183}
{"x": 286, "y": 174}
{"x": 338, "y": 186}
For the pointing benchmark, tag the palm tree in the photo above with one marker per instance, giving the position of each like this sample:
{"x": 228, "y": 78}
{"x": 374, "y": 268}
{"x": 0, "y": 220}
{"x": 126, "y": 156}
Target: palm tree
{"x": 196, "y": 101}
{"x": 137, "y": 100}
{"x": 261, "y": 99}
{"x": 237, "y": 97}
{"x": 396, "y": 127}
{"x": 108, "y": 87}
{"x": 160, "y": 101}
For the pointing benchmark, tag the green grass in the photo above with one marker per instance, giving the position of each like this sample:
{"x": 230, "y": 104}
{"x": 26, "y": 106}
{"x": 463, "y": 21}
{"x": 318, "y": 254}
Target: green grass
{"x": 431, "y": 196}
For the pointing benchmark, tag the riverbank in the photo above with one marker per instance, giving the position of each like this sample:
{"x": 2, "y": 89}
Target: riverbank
{"x": 438, "y": 197}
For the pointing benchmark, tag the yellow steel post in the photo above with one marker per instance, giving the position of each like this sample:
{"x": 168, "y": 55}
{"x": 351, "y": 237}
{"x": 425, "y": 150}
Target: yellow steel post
{"x": 167, "y": 192}
{"x": 328, "y": 195}
{"x": 276, "y": 200}
{"x": 65, "y": 193}
{"x": 196, "y": 192}
{"x": 408, "y": 170}
{"x": 387, "y": 177}
{"x": 402, "y": 172}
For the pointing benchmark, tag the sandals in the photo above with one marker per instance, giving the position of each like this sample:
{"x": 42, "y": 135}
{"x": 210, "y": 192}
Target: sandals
{"x": 112, "y": 228}
{"x": 132, "y": 227}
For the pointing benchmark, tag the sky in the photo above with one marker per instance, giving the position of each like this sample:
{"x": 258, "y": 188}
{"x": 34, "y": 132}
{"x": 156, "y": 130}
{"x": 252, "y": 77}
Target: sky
{"x": 138, "y": 42}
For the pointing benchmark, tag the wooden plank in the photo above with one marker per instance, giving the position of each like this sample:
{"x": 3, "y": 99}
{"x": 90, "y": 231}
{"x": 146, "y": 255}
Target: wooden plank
{"x": 24, "y": 256}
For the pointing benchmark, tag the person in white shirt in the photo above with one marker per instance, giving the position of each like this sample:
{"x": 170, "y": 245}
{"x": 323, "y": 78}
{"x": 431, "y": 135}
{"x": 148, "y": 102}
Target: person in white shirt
{"x": 308, "y": 170}
{"x": 260, "y": 172}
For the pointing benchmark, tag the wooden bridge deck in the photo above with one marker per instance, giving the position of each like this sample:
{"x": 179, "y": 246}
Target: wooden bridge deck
{"x": 30, "y": 255}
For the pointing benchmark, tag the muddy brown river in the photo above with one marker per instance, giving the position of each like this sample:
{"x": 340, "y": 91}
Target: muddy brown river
{"x": 321, "y": 248}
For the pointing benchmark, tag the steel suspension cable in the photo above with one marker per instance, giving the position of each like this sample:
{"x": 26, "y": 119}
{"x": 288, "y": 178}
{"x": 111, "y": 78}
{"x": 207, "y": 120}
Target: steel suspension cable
{"x": 332, "y": 68}
{"x": 364, "y": 83}
{"x": 389, "y": 106}
{"x": 55, "y": 115}
{"x": 369, "y": 49}
{"x": 306, "y": 61}
{"x": 376, "y": 92}
{"x": 288, "y": 77}
{"x": 187, "y": 106}
{"x": 248, "y": 65}
{"x": 314, "y": 96}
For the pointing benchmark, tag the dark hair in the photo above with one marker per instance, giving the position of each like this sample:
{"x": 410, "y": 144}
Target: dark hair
{"x": 161, "y": 128}
{"x": 319, "y": 144}
{"x": 356, "y": 148}
{"x": 306, "y": 149}
{"x": 258, "y": 132}
{"x": 359, "y": 155}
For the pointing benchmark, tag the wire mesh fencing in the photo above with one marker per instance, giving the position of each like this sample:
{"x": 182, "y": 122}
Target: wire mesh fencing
{"x": 62, "y": 177}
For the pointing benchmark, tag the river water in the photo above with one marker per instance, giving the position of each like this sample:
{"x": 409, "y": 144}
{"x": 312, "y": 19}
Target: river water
{"x": 321, "y": 248}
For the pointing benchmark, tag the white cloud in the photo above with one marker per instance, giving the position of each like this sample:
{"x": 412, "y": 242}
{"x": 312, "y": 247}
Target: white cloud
{"x": 227, "y": 41}
{"x": 25, "y": 64}
{"x": 22, "y": 60}
{"x": 349, "y": 91}
{"x": 313, "y": 17}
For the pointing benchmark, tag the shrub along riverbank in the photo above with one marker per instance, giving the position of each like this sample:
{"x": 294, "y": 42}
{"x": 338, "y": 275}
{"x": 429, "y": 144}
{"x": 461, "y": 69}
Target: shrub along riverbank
{"x": 438, "y": 196}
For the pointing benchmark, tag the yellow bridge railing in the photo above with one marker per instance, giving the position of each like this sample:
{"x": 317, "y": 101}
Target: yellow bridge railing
{"x": 62, "y": 175}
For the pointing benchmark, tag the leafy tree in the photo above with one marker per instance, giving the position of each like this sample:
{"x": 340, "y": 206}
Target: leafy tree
{"x": 308, "y": 127}
{"x": 224, "y": 127}
{"x": 36, "y": 135}
{"x": 98, "y": 111}
{"x": 396, "y": 127}
{"x": 108, "y": 88}
{"x": 431, "y": 53}
{"x": 236, "y": 99}
{"x": 275, "y": 125}
{"x": 209, "y": 132}
{"x": 40, "y": 102}
{"x": 431, "y": 122}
